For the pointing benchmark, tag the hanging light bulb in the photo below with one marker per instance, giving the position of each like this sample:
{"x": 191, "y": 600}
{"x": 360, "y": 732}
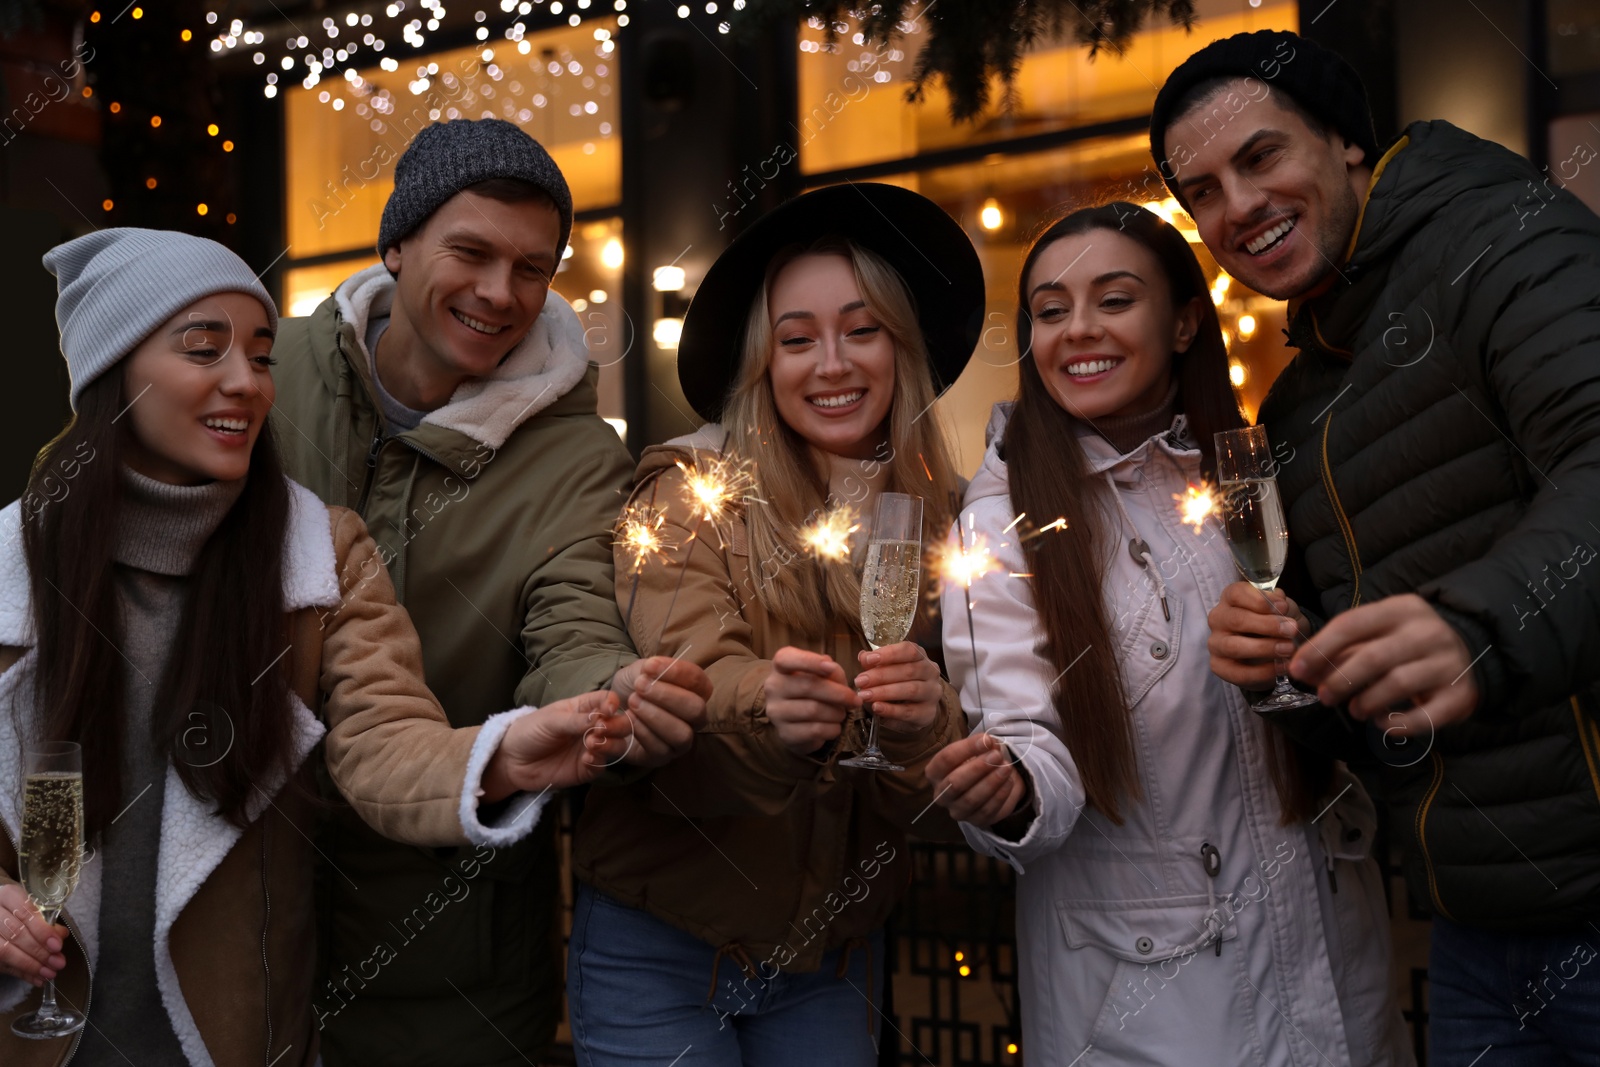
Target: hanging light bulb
{"x": 990, "y": 217}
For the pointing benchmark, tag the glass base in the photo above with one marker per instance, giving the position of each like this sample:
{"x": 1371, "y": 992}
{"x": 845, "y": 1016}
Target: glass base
{"x": 38, "y": 1027}
{"x": 1283, "y": 700}
{"x": 871, "y": 760}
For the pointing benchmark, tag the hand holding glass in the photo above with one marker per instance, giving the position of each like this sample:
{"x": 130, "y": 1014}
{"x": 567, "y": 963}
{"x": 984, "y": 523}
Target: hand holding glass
{"x": 1258, "y": 533}
{"x": 889, "y": 586}
{"x": 50, "y": 858}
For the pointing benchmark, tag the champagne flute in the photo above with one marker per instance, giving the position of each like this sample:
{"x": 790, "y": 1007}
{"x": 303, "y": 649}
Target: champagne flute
{"x": 1258, "y": 533}
{"x": 51, "y": 857}
{"x": 889, "y": 584}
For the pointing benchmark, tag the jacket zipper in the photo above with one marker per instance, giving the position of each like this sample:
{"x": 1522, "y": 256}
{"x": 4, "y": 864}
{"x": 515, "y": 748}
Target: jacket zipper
{"x": 378, "y": 442}
{"x": 72, "y": 928}
{"x": 372, "y": 467}
{"x": 1422, "y": 832}
{"x": 1338, "y": 510}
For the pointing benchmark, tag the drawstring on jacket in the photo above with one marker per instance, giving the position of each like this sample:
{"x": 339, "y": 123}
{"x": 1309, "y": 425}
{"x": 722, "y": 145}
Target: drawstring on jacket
{"x": 735, "y": 952}
{"x": 1139, "y": 548}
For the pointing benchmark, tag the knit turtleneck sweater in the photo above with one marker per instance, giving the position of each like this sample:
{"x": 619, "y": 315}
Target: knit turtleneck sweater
{"x": 1128, "y": 432}
{"x": 161, "y": 530}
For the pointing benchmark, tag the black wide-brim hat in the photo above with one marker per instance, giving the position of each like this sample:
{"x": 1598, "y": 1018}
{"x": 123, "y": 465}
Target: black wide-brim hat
{"x": 925, "y": 246}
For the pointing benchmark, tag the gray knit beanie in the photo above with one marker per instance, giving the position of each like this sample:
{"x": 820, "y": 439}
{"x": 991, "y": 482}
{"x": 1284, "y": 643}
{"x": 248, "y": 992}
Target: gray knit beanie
{"x": 117, "y": 285}
{"x": 447, "y": 157}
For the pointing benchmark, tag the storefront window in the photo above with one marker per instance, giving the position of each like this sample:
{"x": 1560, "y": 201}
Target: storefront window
{"x": 852, "y": 101}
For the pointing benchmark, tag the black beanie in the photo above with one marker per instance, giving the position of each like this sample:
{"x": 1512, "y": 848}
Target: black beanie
{"x": 1318, "y": 80}
{"x": 445, "y": 158}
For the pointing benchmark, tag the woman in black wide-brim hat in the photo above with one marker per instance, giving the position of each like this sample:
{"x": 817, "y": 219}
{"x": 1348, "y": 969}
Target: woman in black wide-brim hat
{"x": 733, "y": 902}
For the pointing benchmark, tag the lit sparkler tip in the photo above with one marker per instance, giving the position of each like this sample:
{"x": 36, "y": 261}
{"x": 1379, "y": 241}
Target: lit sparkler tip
{"x": 713, "y": 484}
{"x": 1196, "y": 504}
{"x": 828, "y": 536}
{"x": 964, "y": 564}
{"x": 640, "y": 533}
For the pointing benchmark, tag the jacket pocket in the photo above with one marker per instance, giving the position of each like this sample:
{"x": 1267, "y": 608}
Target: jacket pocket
{"x": 1146, "y": 931}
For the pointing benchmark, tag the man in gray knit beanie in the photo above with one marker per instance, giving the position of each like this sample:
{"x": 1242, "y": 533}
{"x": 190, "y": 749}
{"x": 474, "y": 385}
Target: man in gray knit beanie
{"x": 447, "y": 395}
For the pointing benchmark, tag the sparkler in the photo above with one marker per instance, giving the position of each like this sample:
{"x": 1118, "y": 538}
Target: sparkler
{"x": 964, "y": 565}
{"x": 828, "y": 536}
{"x": 712, "y": 485}
{"x": 639, "y": 531}
{"x": 1196, "y": 504}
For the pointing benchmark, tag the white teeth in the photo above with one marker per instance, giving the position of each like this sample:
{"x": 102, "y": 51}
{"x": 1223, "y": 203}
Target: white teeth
{"x": 1270, "y": 237}
{"x": 1097, "y": 366}
{"x": 842, "y": 400}
{"x": 481, "y": 327}
{"x": 229, "y": 425}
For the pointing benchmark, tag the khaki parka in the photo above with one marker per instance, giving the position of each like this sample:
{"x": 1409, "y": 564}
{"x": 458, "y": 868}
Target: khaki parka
{"x": 494, "y": 518}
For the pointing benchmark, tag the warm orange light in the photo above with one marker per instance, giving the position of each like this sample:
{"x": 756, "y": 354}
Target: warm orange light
{"x": 138, "y": 12}
{"x": 1012, "y": 1048}
{"x": 960, "y": 956}
{"x": 201, "y": 209}
{"x": 115, "y": 107}
{"x": 965, "y": 970}
{"x": 828, "y": 538}
{"x": 185, "y": 35}
{"x": 106, "y": 204}
{"x": 1196, "y": 504}
{"x": 149, "y": 183}
{"x": 88, "y": 91}
{"x": 227, "y": 146}
{"x": 232, "y": 218}
{"x": 212, "y": 129}
{"x": 155, "y": 120}
{"x": 94, "y": 16}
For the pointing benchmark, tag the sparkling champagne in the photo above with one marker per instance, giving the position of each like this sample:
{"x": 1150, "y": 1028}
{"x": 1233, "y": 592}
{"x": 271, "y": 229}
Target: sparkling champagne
{"x": 1257, "y": 533}
{"x": 52, "y": 838}
{"x": 889, "y": 590}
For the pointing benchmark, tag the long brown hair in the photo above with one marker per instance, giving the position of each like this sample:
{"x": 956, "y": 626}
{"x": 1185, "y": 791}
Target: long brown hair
{"x": 1048, "y": 475}
{"x": 221, "y": 713}
{"x": 789, "y": 486}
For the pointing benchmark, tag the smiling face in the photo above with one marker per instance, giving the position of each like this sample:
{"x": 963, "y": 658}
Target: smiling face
{"x": 832, "y": 369}
{"x": 197, "y": 392}
{"x": 1275, "y": 200}
{"x": 470, "y": 283}
{"x": 1104, "y": 328}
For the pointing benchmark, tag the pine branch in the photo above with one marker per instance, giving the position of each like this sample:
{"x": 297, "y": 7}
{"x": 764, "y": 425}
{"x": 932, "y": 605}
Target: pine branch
{"x": 970, "y": 43}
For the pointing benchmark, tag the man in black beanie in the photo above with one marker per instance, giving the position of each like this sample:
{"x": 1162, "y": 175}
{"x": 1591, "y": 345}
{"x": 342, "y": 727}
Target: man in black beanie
{"x": 1439, "y": 445}
{"x": 446, "y": 394}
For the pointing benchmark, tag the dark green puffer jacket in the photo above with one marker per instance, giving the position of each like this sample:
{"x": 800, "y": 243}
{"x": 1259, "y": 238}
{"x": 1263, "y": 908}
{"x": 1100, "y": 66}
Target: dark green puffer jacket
{"x": 1442, "y": 424}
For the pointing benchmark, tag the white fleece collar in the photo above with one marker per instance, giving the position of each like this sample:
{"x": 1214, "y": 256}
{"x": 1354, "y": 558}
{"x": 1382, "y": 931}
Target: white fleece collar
{"x": 193, "y": 840}
{"x": 542, "y": 368}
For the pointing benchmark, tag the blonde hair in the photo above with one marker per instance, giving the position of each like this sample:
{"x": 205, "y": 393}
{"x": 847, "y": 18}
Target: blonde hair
{"x": 790, "y": 491}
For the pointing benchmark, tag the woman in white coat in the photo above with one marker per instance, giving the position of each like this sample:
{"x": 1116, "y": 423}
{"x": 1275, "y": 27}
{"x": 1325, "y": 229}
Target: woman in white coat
{"x": 1191, "y": 890}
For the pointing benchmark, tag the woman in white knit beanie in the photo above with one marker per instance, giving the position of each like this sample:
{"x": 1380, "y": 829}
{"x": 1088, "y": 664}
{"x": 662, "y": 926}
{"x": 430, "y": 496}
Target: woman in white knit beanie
{"x": 196, "y": 623}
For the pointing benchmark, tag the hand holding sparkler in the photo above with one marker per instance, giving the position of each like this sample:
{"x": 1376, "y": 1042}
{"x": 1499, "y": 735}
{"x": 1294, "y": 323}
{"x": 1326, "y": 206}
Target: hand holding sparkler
{"x": 975, "y": 780}
{"x": 665, "y": 701}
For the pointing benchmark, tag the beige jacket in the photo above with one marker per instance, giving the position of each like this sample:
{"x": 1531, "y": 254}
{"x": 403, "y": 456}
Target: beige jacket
{"x": 775, "y": 857}
{"x": 234, "y": 913}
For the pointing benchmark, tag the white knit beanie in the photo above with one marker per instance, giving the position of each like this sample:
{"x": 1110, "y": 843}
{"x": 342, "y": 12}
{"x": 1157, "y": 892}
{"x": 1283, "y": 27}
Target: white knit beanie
{"x": 117, "y": 285}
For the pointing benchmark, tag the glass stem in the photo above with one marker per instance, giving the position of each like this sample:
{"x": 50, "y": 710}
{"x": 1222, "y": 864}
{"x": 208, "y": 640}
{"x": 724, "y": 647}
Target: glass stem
{"x": 47, "y": 1006}
{"x": 872, "y": 727}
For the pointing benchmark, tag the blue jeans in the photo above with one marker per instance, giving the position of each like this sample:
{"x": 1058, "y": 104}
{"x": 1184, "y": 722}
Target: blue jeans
{"x": 1513, "y": 1000}
{"x": 637, "y": 989}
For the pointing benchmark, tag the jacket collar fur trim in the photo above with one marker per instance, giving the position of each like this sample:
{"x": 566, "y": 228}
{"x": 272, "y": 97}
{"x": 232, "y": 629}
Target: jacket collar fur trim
{"x": 542, "y": 368}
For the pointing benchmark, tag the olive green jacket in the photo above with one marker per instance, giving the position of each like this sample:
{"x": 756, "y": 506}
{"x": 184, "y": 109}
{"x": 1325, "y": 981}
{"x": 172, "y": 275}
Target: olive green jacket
{"x": 494, "y": 518}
